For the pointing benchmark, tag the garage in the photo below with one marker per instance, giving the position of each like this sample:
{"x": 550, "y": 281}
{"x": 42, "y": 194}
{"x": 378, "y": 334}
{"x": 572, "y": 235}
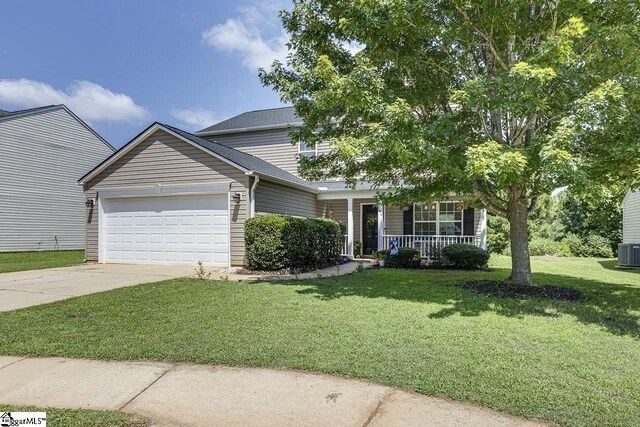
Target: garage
{"x": 181, "y": 229}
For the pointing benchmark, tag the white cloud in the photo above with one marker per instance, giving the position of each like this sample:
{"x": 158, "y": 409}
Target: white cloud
{"x": 198, "y": 117}
{"x": 88, "y": 100}
{"x": 243, "y": 37}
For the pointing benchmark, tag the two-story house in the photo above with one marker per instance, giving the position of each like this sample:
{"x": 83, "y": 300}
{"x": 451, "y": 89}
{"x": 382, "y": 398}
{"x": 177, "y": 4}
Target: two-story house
{"x": 42, "y": 152}
{"x": 170, "y": 196}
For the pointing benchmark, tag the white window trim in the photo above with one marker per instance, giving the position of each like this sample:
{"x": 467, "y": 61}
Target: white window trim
{"x": 437, "y": 221}
{"x": 314, "y": 151}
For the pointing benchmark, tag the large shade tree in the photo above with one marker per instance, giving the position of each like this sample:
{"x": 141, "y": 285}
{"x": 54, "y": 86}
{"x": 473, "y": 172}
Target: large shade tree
{"x": 501, "y": 100}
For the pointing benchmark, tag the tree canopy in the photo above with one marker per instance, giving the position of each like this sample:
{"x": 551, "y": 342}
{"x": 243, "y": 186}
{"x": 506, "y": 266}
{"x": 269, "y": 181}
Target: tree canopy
{"x": 502, "y": 100}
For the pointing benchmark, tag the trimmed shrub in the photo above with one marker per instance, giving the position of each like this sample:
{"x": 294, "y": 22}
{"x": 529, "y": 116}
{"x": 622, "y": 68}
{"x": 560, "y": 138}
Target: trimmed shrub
{"x": 406, "y": 258}
{"x": 274, "y": 242}
{"x": 590, "y": 246}
{"x": 540, "y": 247}
{"x": 464, "y": 256}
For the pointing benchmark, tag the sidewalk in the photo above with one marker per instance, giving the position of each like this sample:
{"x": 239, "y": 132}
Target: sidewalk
{"x": 201, "y": 395}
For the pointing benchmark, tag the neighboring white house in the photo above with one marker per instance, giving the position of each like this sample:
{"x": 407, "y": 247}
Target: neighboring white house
{"x": 631, "y": 217}
{"x": 43, "y": 151}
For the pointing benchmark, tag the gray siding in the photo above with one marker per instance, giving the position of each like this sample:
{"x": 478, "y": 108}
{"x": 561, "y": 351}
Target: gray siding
{"x": 276, "y": 198}
{"x": 274, "y": 146}
{"x": 631, "y": 218}
{"x": 41, "y": 157}
{"x": 165, "y": 159}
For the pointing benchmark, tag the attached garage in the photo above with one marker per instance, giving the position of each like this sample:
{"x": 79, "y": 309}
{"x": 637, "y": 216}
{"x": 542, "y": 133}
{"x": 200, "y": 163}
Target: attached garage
{"x": 170, "y": 197}
{"x": 166, "y": 230}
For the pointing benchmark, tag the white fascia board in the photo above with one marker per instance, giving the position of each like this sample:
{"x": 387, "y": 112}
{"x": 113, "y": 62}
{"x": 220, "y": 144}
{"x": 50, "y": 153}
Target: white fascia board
{"x": 250, "y": 129}
{"x": 355, "y": 194}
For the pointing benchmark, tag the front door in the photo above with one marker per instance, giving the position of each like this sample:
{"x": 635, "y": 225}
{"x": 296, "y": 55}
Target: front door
{"x": 369, "y": 229}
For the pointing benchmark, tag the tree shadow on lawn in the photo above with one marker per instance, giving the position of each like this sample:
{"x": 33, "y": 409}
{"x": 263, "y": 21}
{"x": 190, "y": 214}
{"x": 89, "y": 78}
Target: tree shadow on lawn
{"x": 611, "y": 264}
{"x": 614, "y": 307}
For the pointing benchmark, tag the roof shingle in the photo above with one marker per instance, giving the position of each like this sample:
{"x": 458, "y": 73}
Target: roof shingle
{"x": 257, "y": 119}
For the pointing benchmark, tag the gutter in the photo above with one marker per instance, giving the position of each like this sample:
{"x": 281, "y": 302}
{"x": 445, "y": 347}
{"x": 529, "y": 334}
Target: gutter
{"x": 252, "y": 195}
{"x": 248, "y": 129}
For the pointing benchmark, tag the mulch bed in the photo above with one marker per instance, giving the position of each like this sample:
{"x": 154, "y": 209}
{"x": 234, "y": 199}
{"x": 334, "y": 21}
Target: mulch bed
{"x": 506, "y": 290}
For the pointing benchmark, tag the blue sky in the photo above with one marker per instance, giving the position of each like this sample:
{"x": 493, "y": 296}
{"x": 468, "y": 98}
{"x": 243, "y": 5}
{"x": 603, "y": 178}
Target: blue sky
{"x": 121, "y": 65}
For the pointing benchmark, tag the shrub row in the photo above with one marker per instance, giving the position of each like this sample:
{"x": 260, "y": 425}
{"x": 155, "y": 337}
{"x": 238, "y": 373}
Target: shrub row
{"x": 457, "y": 255}
{"x": 589, "y": 246}
{"x": 572, "y": 245}
{"x": 274, "y": 242}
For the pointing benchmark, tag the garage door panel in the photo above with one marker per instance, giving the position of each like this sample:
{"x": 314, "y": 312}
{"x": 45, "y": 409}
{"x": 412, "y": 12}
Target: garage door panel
{"x": 175, "y": 230}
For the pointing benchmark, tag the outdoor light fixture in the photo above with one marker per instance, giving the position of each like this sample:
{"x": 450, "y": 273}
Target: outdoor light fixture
{"x": 237, "y": 197}
{"x": 89, "y": 203}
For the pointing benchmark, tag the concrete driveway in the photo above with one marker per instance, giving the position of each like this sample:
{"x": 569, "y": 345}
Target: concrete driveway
{"x": 27, "y": 288}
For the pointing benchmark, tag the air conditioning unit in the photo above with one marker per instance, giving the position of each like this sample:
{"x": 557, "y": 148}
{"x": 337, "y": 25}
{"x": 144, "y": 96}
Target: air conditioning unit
{"x": 629, "y": 254}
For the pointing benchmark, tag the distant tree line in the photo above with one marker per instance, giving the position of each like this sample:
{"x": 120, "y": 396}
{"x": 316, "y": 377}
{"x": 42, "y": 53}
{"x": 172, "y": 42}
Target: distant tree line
{"x": 570, "y": 223}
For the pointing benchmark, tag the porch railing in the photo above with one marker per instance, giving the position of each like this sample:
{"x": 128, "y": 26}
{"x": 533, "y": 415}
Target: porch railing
{"x": 345, "y": 245}
{"x": 429, "y": 246}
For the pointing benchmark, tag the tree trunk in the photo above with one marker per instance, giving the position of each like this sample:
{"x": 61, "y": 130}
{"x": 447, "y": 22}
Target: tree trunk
{"x": 520, "y": 261}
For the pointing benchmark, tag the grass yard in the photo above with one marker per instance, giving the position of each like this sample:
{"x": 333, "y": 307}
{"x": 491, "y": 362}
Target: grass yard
{"x": 572, "y": 363}
{"x": 21, "y": 261}
{"x": 83, "y": 417}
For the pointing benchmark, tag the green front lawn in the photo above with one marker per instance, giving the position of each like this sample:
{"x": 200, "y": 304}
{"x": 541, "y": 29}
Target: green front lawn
{"x": 20, "y": 261}
{"x": 83, "y": 417}
{"x": 573, "y": 363}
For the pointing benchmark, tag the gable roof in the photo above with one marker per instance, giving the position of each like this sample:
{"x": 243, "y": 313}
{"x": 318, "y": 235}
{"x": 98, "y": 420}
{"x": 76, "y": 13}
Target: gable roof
{"x": 243, "y": 161}
{"x": 10, "y": 115}
{"x": 5, "y": 114}
{"x": 273, "y": 118}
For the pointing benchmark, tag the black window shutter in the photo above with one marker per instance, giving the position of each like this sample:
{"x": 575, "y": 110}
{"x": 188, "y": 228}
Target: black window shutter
{"x": 407, "y": 223}
{"x": 467, "y": 226}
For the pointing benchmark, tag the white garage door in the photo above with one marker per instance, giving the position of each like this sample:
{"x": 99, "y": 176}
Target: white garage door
{"x": 167, "y": 230}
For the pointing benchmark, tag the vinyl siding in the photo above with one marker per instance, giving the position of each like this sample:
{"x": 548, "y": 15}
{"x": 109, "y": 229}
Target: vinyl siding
{"x": 274, "y": 146}
{"x": 165, "y": 159}
{"x": 338, "y": 210}
{"x": 276, "y": 198}
{"x": 631, "y": 218}
{"x": 41, "y": 157}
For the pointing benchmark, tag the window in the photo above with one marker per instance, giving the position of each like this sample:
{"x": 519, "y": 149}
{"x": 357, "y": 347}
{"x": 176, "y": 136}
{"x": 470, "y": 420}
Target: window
{"x": 450, "y": 219}
{"x": 425, "y": 219}
{"x": 444, "y": 218}
{"x": 307, "y": 150}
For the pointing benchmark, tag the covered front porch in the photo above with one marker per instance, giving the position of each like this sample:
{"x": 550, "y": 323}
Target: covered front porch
{"x": 371, "y": 226}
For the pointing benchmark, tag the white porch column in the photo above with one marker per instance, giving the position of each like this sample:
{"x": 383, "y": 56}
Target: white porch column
{"x": 380, "y": 226}
{"x": 483, "y": 229}
{"x": 350, "y": 227}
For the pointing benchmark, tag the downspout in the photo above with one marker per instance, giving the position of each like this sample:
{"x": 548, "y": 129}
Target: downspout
{"x": 252, "y": 195}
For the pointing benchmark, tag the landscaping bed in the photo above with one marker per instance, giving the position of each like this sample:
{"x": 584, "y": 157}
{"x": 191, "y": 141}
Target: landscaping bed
{"x": 501, "y": 289}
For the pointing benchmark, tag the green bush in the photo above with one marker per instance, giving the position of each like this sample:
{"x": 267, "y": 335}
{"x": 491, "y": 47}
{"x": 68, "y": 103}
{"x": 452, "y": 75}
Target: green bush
{"x": 406, "y": 258}
{"x": 540, "y": 247}
{"x": 464, "y": 256}
{"x": 274, "y": 242}
{"x": 590, "y": 246}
